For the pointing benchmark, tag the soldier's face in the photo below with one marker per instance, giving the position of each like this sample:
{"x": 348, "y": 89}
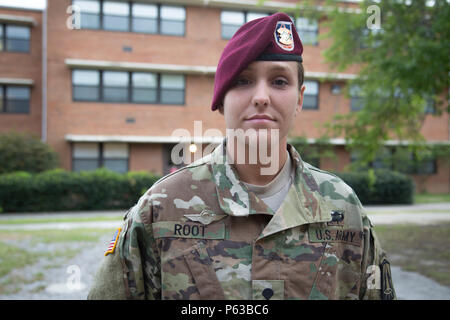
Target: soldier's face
{"x": 264, "y": 96}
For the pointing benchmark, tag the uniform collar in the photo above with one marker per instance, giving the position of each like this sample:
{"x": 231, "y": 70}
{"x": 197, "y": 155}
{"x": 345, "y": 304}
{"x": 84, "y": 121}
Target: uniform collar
{"x": 303, "y": 205}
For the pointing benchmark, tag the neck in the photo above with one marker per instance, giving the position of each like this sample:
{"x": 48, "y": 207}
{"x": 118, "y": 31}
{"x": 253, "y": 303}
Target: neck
{"x": 254, "y": 166}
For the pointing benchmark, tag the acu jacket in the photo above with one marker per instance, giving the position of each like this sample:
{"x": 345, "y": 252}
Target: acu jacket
{"x": 199, "y": 233}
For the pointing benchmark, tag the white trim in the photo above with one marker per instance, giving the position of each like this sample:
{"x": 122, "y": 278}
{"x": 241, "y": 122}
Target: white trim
{"x": 268, "y": 6}
{"x": 207, "y": 139}
{"x": 141, "y": 139}
{"x": 330, "y": 75}
{"x": 185, "y": 69}
{"x": 19, "y": 82}
{"x": 137, "y": 66}
{"x": 342, "y": 142}
{"x": 8, "y": 18}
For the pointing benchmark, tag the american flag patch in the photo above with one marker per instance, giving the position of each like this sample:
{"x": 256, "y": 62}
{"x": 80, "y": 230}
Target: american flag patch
{"x": 113, "y": 242}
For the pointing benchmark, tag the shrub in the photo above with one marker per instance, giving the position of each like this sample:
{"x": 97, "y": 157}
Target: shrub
{"x": 380, "y": 186}
{"x": 59, "y": 190}
{"x": 24, "y": 152}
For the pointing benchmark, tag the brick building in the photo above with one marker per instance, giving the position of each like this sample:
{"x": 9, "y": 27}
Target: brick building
{"x": 106, "y": 83}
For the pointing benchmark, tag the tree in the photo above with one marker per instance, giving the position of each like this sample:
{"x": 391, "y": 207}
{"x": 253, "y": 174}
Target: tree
{"x": 401, "y": 50}
{"x": 404, "y": 67}
{"x": 23, "y": 152}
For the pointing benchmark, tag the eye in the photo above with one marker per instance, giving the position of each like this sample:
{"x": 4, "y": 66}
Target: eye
{"x": 280, "y": 82}
{"x": 241, "y": 81}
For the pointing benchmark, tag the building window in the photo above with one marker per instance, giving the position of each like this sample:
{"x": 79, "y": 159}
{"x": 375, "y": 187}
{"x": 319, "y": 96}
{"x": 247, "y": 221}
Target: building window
{"x": 115, "y": 86}
{"x": 426, "y": 166}
{"x": 86, "y": 156}
{"x": 14, "y": 38}
{"x": 308, "y": 30}
{"x": 397, "y": 160}
{"x": 115, "y": 157}
{"x": 231, "y": 21}
{"x": 89, "y": 13}
{"x": 91, "y": 156}
{"x": 131, "y": 16}
{"x": 86, "y": 85}
{"x": 172, "y": 89}
{"x": 311, "y": 95}
{"x": 116, "y": 16}
{"x": 144, "y": 18}
{"x": 356, "y": 99}
{"x": 430, "y": 107}
{"x": 172, "y": 20}
{"x": 144, "y": 87}
{"x": 128, "y": 87}
{"x": 14, "y": 99}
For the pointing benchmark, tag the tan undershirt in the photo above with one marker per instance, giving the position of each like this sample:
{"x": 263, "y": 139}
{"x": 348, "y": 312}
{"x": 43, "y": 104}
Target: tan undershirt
{"x": 276, "y": 190}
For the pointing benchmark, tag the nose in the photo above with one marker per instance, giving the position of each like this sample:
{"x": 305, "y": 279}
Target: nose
{"x": 261, "y": 97}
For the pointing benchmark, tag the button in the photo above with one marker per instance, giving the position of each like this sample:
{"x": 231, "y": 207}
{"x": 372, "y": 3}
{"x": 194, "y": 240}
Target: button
{"x": 267, "y": 293}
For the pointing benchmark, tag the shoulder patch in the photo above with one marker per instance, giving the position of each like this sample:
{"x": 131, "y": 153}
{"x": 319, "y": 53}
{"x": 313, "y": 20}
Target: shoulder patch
{"x": 113, "y": 242}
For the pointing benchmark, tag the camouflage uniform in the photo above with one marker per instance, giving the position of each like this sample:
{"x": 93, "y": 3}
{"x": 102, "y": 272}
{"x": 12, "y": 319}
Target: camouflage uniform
{"x": 200, "y": 234}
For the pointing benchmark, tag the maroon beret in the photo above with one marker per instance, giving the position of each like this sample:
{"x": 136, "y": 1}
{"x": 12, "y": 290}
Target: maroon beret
{"x": 272, "y": 38}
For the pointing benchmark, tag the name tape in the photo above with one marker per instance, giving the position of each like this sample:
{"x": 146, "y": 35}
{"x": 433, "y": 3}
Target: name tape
{"x": 177, "y": 229}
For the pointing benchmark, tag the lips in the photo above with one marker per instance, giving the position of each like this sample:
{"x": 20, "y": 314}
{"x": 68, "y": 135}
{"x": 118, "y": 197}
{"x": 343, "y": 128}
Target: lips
{"x": 260, "y": 117}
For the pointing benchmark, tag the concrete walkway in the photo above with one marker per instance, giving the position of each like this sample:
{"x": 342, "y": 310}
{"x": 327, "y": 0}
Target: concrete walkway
{"x": 391, "y": 214}
{"x": 408, "y": 285}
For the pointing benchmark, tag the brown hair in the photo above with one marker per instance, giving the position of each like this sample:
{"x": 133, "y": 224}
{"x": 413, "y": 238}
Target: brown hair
{"x": 301, "y": 75}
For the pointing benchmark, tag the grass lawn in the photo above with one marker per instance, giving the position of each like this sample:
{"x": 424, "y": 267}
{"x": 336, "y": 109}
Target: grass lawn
{"x": 422, "y": 249}
{"x": 431, "y": 198}
{"x": 18, "y": 251}
{"x": 56, "y": 219}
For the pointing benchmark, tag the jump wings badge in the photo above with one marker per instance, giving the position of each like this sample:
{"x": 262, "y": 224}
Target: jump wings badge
{"x": 205, "y": 217}
{"x": 283, "y": 35}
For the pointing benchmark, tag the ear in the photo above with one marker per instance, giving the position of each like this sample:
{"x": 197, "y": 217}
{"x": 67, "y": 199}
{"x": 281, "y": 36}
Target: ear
{"x": 299, "y": 105}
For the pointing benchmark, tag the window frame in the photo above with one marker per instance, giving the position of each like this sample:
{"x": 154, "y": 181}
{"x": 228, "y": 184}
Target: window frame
{"x": 414, "y": 168}
{"x": 310, "y": 95}
{"x": 99, "y": 86}
{"x": 244, "y": 12}
{"x": 354, "y": 97}
{"x": 131, "y": 18}
{"x": 101, "y": 156}
{"x": 316, "y": 32}
{"x": 4, "y": 38}
{"x": 4, "y": 99}
{"x": 130, "y": 88}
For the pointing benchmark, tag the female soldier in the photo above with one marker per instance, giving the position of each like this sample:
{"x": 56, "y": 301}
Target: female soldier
{"x": 223, "y": 228}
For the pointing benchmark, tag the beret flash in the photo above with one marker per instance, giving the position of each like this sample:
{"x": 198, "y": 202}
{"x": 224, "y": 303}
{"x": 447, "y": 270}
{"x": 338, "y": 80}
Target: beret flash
{"x": 272, "y": 38}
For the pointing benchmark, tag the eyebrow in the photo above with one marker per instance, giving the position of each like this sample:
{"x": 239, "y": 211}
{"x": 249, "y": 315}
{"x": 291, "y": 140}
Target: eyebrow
{"x": 276, "y": 67}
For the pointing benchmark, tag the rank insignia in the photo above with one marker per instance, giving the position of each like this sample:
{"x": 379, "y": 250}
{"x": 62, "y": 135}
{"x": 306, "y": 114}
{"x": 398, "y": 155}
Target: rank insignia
{"x": 283, "y": 35}
{"x": 337, "y": 218}
{"x": 113, "y": 242}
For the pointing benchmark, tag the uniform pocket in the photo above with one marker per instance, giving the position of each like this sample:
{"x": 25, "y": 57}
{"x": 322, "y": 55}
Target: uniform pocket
{"x": 204, "y": 276}
{"x": 187, "y": 271}
{"x": 338, "y": 275}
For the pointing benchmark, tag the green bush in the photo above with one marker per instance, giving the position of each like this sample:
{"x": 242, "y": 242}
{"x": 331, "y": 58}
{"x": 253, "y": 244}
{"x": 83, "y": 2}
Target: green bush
{"x": 380, "y": 186}
{"x": 24, "y": 152}
{"x": 59, "y": 190}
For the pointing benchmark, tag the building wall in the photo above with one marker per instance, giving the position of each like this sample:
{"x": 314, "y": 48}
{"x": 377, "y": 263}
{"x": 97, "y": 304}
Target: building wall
{"x": 21, "y": 65}
{"x": 200, "y": 46}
